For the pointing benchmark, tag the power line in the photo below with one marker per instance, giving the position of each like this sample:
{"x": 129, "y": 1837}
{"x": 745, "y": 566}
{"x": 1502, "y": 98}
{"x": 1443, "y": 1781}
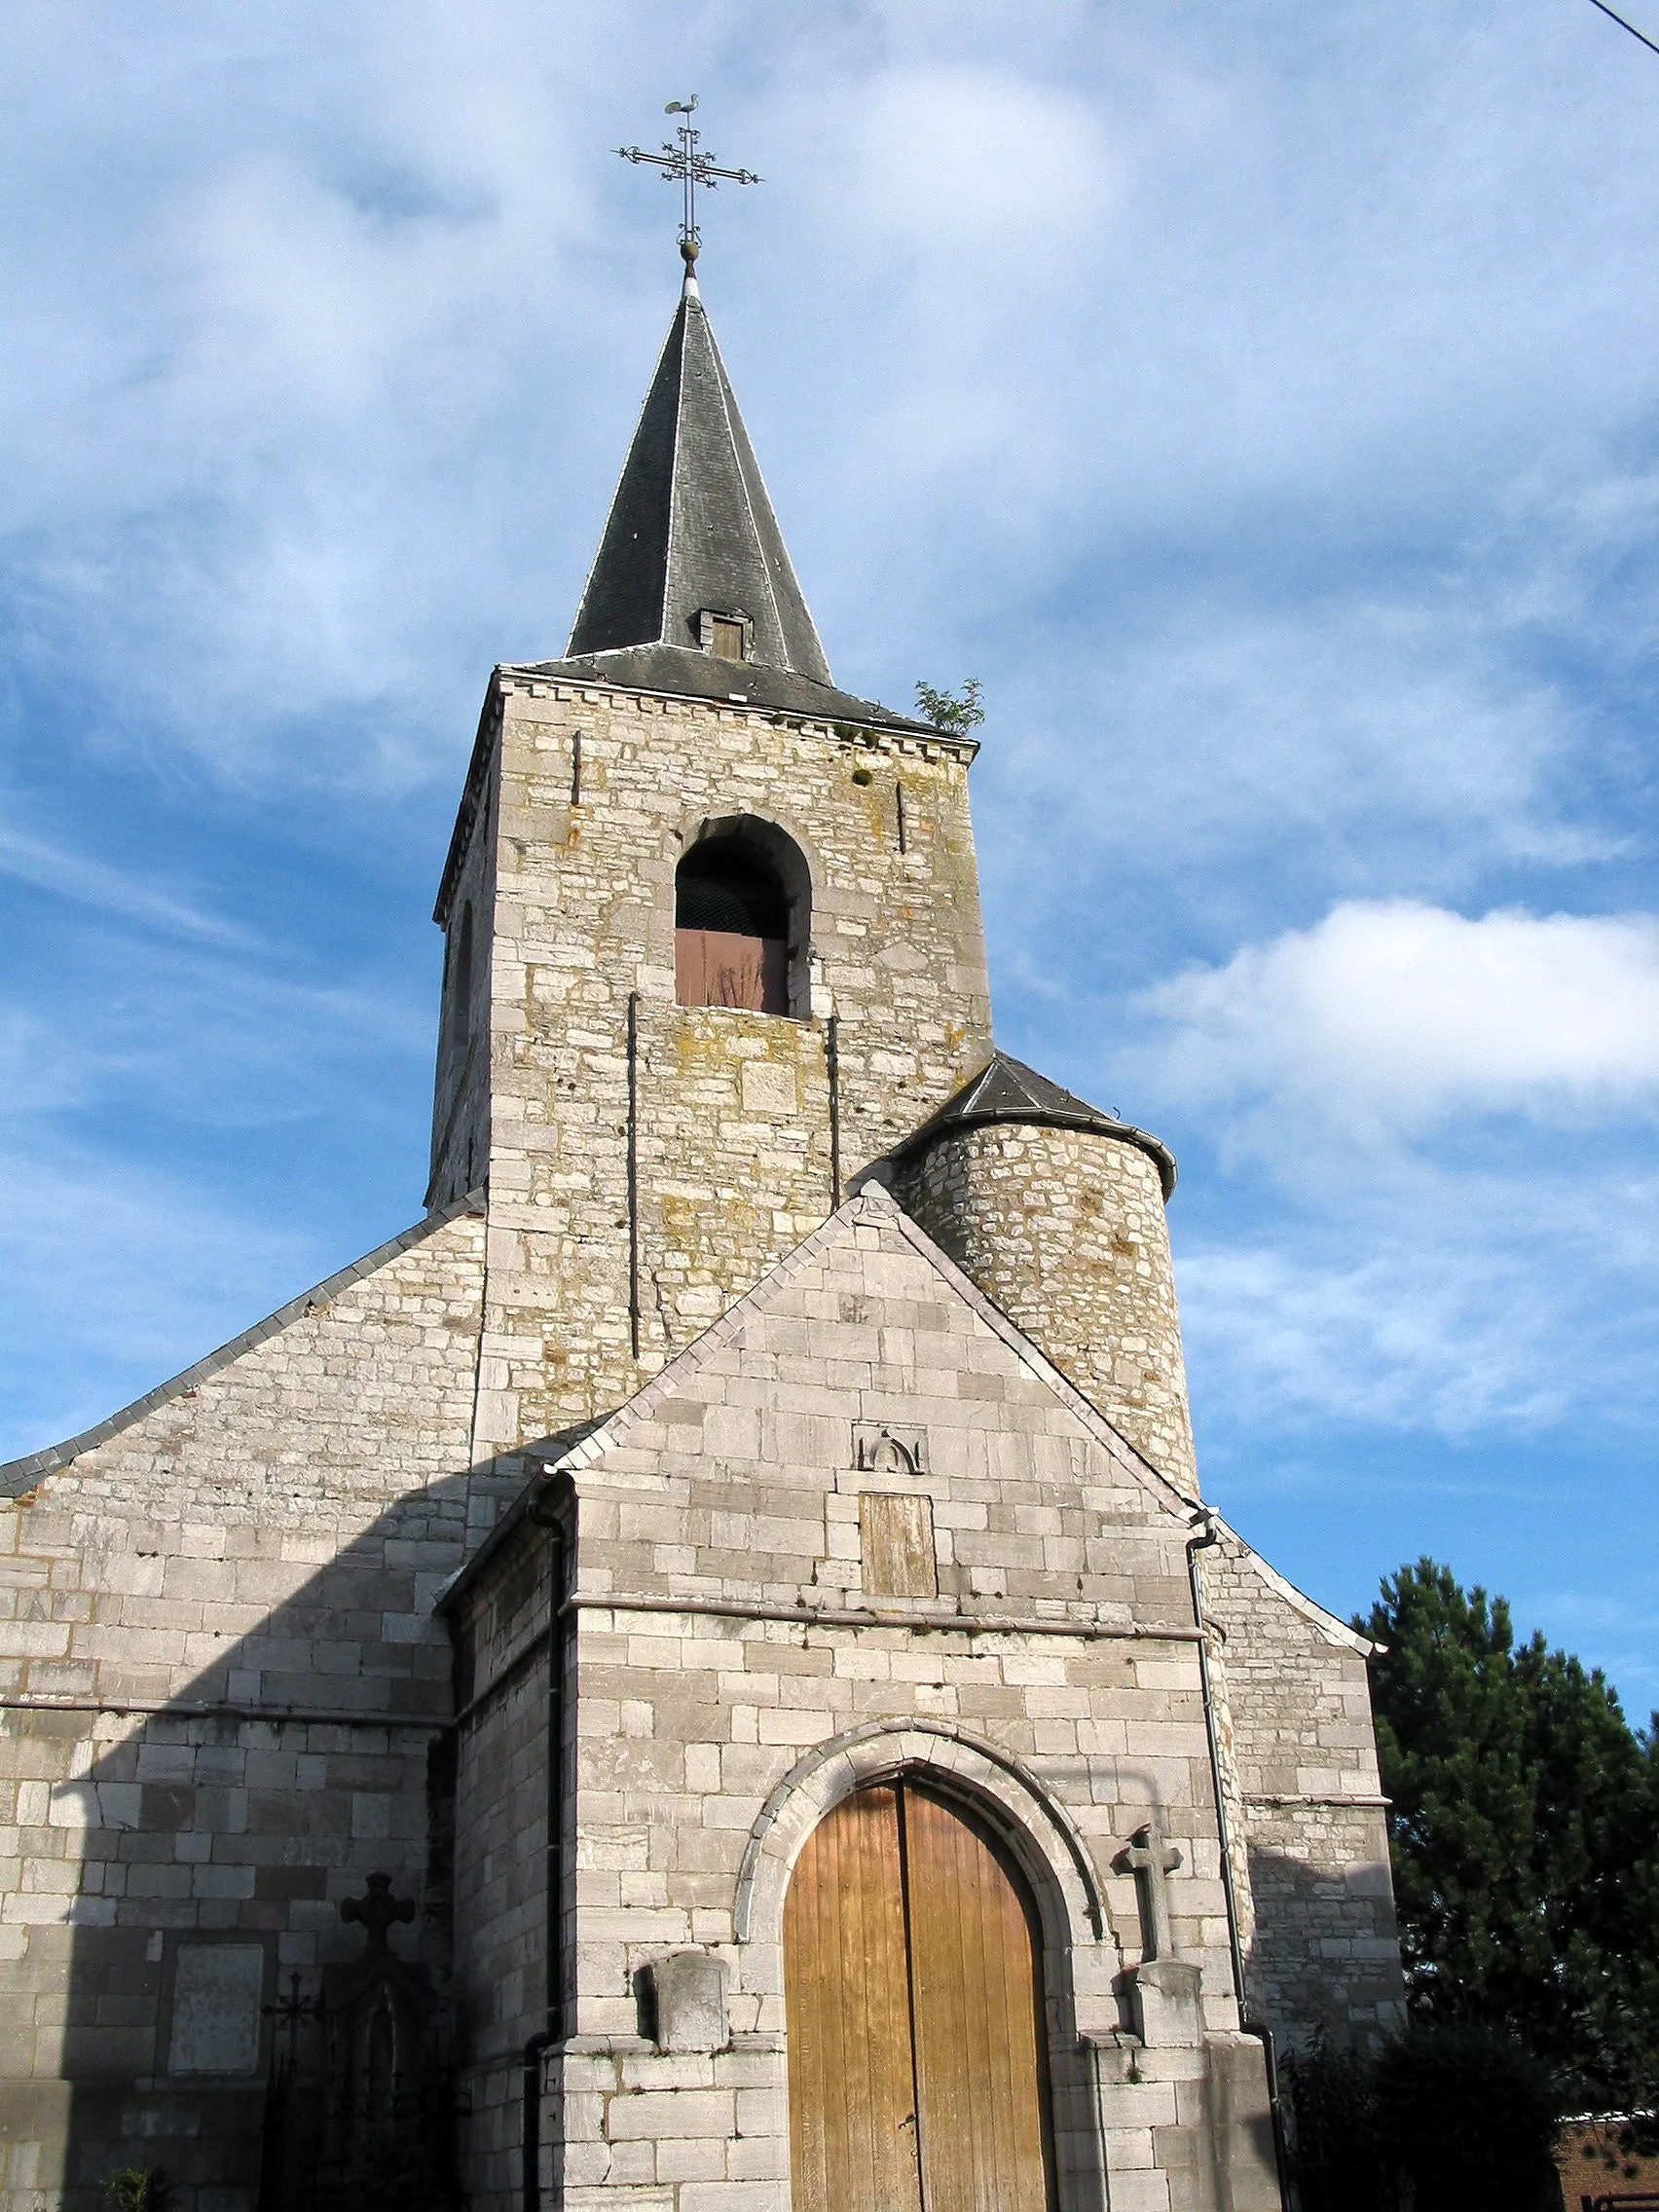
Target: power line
{"x": 1624, "y": 27}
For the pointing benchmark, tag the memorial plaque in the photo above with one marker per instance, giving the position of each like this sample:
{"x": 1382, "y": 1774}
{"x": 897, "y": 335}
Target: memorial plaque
{"x": 690, "y": 2002}
{"x": 217, "y": 1992}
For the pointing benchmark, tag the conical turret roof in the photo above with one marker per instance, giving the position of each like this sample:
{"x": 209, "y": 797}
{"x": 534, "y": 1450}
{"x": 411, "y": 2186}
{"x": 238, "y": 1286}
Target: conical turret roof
{"x": 690, "y": 528}
{"x": 1005, "y": 1090}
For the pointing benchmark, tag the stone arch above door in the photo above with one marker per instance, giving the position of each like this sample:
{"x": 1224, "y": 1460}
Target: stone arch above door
{"x": 1082, "y": 1952}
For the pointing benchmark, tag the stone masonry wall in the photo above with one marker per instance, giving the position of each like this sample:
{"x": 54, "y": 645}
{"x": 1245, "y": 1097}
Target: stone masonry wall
{"x": 1065, "y": 1230}
{"x": 221, "y": 1685}
{"x": 724, "y": 1642}
{"x": 732, "y": 1125}
{"x": 1324, "y": 1950}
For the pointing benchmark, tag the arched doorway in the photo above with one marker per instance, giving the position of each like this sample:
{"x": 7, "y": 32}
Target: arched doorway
{"x": 913, "y": 1995}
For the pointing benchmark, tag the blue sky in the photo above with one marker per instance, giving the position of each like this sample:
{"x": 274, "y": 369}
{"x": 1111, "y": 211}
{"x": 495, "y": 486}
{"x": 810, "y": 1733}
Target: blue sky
{"x": 1262, "y": 401}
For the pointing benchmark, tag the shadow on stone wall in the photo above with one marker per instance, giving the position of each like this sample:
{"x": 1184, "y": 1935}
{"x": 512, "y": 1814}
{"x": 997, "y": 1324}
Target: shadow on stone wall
{"x": 218, "y": 1846}
{"x": 207, "y": 1827}
{"x": 1325, "y": 1949}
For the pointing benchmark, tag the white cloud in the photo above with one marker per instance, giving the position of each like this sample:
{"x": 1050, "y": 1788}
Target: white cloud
{"x": 1431, "y": 1302}
{"x": 1268, "y": 419}
{"x": 109, "y": 890}
{"x": 192, "y": 1042}
{"x": 320, "y": 407}
{"x": 975, "y": 161}
{"x": 1391, "y": 1017}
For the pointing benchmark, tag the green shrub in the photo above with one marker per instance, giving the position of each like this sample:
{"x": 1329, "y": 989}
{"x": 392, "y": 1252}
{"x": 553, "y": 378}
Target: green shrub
{"x": 138, "y": 2189}
{"x": 1340, "y": 2159}
{"x": 1470, "y": 2117}
{"x": 1436, "y": 2119}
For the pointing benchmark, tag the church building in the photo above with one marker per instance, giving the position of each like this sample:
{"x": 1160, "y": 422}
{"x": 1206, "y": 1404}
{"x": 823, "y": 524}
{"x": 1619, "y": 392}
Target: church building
{"x": 698, "y": 1678}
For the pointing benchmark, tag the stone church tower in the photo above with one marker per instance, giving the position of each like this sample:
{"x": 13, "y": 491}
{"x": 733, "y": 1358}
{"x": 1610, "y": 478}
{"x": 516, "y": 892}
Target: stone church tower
{"x": 697, "y": 1679}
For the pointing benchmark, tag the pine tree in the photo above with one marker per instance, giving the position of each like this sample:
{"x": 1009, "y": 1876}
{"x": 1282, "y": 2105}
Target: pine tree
{"x": 1525, "y": 1835}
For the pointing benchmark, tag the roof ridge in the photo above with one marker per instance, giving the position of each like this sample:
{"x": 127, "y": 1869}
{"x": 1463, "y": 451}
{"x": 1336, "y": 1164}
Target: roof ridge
{"x": 682, "y": 324}
{"x": 729, "y": 401}
{"x": 621, "y": 479}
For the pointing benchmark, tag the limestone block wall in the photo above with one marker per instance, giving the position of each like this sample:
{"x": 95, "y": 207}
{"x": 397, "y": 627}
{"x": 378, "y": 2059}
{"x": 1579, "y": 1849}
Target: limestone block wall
{"x": 731, "y": 1677}
{"x": 220, "y": 1689}
{"x": 728, "y": 1116}
{"x": 734, "y": 1158}
{"x": 1065, "y": 1230}
{"x": 1324, "y": 1949}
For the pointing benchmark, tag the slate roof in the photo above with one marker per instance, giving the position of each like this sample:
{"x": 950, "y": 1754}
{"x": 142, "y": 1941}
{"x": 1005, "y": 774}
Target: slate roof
{"x": 1005, "y": 1090}
{"x": 690, "y": 526}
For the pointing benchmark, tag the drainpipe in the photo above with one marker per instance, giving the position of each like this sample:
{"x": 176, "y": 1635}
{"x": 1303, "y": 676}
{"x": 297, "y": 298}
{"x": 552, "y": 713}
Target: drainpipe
{"x": 1209, "y": 1535}
{"x": 552, "y": 2032}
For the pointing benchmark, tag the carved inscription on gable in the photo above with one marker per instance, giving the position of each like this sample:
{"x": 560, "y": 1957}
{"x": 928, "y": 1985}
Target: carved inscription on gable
{"x": 881, "y": 1448}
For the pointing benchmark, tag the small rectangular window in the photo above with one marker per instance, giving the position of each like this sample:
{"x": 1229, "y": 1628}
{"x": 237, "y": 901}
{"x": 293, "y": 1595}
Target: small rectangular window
{"x": 726, "y": 640}
{"x": 896, "y": 1537}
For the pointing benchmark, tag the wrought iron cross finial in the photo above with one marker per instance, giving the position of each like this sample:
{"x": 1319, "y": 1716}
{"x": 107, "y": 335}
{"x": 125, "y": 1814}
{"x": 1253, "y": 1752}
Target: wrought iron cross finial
{"x": 691, "y": 166}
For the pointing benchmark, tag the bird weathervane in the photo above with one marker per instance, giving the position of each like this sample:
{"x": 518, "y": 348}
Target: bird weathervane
{"x": 688, "y": 164}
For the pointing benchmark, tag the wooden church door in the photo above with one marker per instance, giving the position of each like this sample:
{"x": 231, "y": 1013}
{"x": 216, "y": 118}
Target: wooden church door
{"x": 913, "y": 2000}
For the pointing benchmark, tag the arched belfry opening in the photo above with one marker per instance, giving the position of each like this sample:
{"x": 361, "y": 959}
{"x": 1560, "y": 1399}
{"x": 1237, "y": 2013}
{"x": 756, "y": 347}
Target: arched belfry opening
{"x": 914, "y": 2011}
{"x": 743, "y": 920}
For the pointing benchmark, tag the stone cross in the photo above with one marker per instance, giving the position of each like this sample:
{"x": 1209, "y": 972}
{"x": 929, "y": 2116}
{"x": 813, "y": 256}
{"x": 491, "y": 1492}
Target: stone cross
{"x": 1152, "y": 1860}
{"x": 377, "y": 1911}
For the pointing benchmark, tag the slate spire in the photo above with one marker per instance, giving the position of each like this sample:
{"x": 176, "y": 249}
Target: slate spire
{"x": 691, "y": 531}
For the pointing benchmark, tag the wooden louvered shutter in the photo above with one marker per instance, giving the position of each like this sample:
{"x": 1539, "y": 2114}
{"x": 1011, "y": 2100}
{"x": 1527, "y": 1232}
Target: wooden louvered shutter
{"x": 721, "y": 967}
